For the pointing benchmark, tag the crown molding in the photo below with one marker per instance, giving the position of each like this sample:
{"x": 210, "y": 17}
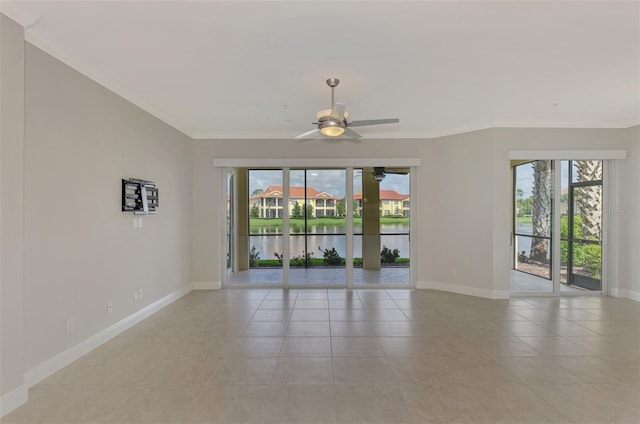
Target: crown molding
{"x": 36, "y": 38}
{"x": 26, "y": 20}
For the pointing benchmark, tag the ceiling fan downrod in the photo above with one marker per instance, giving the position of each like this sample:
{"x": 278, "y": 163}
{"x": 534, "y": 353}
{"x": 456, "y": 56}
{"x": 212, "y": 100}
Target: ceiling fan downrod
{"x": 333, "y": 82}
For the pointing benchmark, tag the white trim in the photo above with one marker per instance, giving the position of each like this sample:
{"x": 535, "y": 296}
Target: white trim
{"x": 460, "y": 289}
{"x": 13, "y": 399}
{"x": 306, "y": 163}
{"x": 627, "y": 294}
{"x": 52, "y": 365}
{"x": 207, "y": 285}
{"x": 567, "y": 154}
{"x": 26, "y": 20}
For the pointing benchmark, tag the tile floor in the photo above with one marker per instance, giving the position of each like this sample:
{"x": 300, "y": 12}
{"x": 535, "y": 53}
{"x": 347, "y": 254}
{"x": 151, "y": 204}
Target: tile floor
{"x": 364, "y": 356}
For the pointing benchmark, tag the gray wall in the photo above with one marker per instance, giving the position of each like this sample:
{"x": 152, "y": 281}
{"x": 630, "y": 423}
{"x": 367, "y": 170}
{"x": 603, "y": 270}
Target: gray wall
{"x": 81, "y": 251}
{"x": 12, "y": 206}
{"x": 463, "y": 200}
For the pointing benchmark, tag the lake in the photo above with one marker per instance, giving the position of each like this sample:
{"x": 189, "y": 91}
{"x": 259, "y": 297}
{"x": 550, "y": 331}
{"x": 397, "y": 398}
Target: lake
{"x": 268, "y": 243}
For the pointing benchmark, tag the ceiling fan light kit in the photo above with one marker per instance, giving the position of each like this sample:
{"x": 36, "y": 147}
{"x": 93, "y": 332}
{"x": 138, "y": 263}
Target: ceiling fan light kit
{"x": 334, "y": 122}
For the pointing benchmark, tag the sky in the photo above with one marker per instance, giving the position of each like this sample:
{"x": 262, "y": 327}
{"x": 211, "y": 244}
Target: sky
{"x": 330, "y": 180}
{"x": 524, "y": 177}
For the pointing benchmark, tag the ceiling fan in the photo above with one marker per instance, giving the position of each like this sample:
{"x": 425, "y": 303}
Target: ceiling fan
{"x": 334, "y": 122}
{"x": 379, "y": 172}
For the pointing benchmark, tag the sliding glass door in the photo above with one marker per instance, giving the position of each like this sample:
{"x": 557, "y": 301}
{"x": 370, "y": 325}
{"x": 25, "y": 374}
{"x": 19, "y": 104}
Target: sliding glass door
{"x": 329, "y": 227}
{"x": 560, "y": 202}
{"x": 317, "y": 227}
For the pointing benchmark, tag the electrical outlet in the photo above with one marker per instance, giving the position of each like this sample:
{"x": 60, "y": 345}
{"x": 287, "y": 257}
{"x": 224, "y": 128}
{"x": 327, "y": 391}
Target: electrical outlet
{"x": 139, "y": 294}
{"x": 109, "y": 308}
{"x": 135, "y": 222}
{"x": 140, "y": 222}
{"x": 454, "y": 272}
{"x": 135, "y": 296}
{"x": 70, "y": 325}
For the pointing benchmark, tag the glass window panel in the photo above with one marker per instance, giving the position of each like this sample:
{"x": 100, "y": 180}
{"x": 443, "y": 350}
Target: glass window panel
{"x": 265, "y": 228}
{"x": 587, "y": 207}
{"x": 586, "y": 170}
{"x": 587, "y": 265}
{"x": 533, "y": 198}
{"x": 534, "y": 255}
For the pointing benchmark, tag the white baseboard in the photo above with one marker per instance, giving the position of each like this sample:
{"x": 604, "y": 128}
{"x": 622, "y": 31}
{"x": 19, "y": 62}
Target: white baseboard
{"x": 50, "y": 366}
{"x": 13, "y": 399}
{"x": 207, "y": 285}
{"x": 460, "y": 289}
{"x": 627, "y": 294}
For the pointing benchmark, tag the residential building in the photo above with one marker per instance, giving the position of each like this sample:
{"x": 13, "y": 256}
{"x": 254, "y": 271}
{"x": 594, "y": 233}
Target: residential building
{"x": 392, "y": 203}
{"x": 269, "y": 204}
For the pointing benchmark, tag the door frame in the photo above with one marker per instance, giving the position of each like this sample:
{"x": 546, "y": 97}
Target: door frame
{"x": 348, "y": 164}
{"x": 608, "y": 157}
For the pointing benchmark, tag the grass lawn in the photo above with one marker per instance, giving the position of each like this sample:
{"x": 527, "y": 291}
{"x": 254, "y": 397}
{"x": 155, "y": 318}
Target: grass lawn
{"x": 255, "y": 223}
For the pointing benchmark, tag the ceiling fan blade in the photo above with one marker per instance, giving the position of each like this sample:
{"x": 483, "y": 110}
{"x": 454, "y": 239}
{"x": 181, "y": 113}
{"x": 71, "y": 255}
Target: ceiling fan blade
{"x": 308, "y": 134}
{"x": 374, "y": 122}
{"x": 399, "y": 171}
{"x": 351, "y": 133}
{"x": 337, "y": 112}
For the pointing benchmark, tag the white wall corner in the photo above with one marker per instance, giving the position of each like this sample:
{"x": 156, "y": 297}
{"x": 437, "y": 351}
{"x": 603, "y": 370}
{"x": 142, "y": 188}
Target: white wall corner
{"x": 627, "y": 294}
{"x": 13, "y": 399}
{"x": 466, "y": 290}
{"x": 207, "y": 285}
{"x": 52, "y": 365}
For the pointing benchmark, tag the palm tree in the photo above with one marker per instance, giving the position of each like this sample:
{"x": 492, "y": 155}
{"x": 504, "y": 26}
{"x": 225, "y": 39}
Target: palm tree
{"x": 541, "y": 209}
{"x": 589, "y": 200}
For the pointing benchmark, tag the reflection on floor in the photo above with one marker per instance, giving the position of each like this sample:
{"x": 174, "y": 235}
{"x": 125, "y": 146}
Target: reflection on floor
{"x": 521, "y": 282}
{"x": 356, "y": 356}
{"x": 330, "y": 277}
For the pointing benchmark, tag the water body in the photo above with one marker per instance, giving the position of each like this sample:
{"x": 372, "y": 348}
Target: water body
{"x": 270, "y": 240}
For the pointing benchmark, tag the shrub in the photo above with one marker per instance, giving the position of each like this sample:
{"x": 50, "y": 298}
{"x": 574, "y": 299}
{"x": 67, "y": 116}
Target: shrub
{"x": 388, "y": 256}
{"x": 331, "y": 256}
{"x": 254, "y": 257}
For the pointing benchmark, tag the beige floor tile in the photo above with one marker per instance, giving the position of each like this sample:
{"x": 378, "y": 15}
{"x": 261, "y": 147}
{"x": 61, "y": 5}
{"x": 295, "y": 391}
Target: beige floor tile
{"x": 414, "y": 346}
{"x": 371, "y": 404}
{"x": 417, "y": 371}
{"x": 255, "y": 346}
{"x": 349, "y": 315}
{"x": 585, "y": 403}
{"x": 271, "y": 315}
{"x": 539, "y": 370}
{"x": 348, "y": 370}
{"x": 598, "y": 369}
{"x": 70, "y": 404}
{"x": 265, "y": 329}
{"x": 393, "y": 328}
{"x": 235, "y": 403}
{"x": 356, "y": 346}
{"x": 232, "y": 356}
{"x": 310, "y": 315}
{"x": 501, "y": 403}
{"x": 553, "y": 345}
{"x": 308, "y": 328}
{"x": 303, "y": 370}
{"x": 244, "y": 371}
{"x": 345, "y": 304}
{"x": 314, "y": 404}
{"x": 311, "y": 304}
{"x": 306, "y": 346}
{"x": 286, "y": 304}
{"x": 352, "y": 328}
{"x": 156, "y": 405}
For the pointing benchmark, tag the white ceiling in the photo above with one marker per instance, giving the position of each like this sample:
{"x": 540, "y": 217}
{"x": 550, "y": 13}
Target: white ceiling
{"x": 240, "y": 69}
